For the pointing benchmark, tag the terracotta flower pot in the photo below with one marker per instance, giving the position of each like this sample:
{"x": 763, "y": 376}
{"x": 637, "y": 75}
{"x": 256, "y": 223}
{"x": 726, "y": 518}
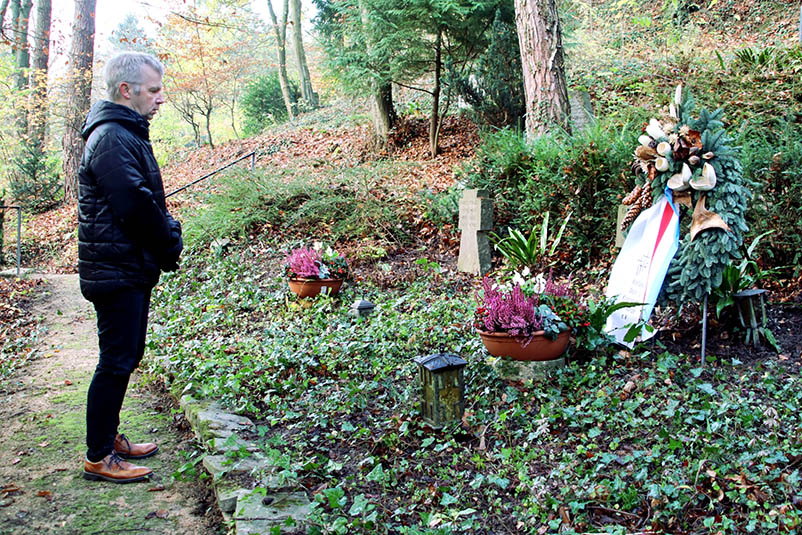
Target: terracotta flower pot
{"x": 313, "y": 287}
{"x": 539, "y": 348}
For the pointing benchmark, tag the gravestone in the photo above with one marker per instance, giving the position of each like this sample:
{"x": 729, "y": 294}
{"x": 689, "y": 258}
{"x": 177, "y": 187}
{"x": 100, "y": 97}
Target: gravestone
{"x": 475, "y": 221}
{"x": 581, "y": 110}
{"x": 619, "y": 234}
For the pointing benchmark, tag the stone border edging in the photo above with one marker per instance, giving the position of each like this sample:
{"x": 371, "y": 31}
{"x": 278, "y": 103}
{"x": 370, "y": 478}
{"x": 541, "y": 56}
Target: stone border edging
{"x": 253, "y": 510}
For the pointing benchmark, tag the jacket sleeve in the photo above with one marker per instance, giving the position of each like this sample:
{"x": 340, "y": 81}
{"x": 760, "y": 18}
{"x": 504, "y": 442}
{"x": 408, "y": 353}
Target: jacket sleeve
{"x": 121, "y": 182}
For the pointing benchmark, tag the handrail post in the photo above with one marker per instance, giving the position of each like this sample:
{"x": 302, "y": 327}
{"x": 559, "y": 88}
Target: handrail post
{"x": 253, "y": 160}
{"x": 19, "y": 234}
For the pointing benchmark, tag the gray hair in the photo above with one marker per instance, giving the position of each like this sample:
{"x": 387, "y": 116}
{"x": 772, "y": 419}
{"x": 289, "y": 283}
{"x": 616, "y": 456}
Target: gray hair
{"x": 127, "y": 67}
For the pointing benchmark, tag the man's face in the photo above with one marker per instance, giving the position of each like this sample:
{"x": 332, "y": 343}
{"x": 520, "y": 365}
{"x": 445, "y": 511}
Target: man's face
{"x": 145, "y": 98}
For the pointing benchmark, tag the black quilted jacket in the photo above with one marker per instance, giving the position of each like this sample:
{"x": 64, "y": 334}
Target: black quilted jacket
{"x": 125, "y": 234}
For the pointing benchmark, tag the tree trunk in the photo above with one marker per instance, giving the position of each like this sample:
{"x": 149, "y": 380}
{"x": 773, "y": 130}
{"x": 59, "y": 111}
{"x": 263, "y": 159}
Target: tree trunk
{"x": 381, "y": 101}
{"x": 41, "y": 55}
{"x": 281, "y": 48}
{"x": 79, "y": 92}
{"x": 434, "y": 119}
{"x": 232, "y": 109}
{"x": 20, "y": 16}
{"x": 208, "y": 116}
{"x": 2, "y": 221}
{"x": 382, "y": 112}
{"x": 540, "y": 40}
{"x": 300, "y": 55}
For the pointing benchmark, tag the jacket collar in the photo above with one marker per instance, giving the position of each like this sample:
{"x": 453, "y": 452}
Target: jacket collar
{"x": 104, "y": 111}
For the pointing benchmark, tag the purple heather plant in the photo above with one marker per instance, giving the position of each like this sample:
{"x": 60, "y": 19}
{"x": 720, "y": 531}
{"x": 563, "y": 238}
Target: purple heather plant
{"x": 303, "y": 262}
{"x": 511, "y": 312}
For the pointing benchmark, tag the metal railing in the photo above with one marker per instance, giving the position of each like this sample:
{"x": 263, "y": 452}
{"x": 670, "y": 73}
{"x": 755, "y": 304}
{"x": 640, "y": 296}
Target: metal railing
{"x": 251, "y": 155}
{"x": 19, "y": 232}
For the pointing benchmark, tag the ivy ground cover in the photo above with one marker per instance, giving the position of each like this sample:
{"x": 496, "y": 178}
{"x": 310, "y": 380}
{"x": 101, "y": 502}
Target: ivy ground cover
{"x": 632, "y": 442}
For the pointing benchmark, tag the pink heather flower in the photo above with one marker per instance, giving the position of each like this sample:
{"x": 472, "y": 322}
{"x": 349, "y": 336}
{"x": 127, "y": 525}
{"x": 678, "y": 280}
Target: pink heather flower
{"x": 511, "y": 312}
{"x": 558, "y": 290}
{"x": 304, "y": 262}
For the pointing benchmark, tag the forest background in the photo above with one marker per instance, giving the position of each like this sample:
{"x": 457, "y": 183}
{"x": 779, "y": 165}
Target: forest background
{"x": 406, "y": 105}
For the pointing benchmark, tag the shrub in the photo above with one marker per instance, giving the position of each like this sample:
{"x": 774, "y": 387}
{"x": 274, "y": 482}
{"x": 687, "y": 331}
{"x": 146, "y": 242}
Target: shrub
{"x": 263, "y": 104}
{"x": 346, "y": 207}
{"x": 560, "y": 174}
{"x": 34, "y": 182}
{"x": 495, "y": 88}
{"x": 772, "y": 161}
{"x": 441, "y": 208}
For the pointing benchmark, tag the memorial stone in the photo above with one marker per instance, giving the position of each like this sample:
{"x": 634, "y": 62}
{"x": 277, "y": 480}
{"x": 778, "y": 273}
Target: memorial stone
{"x": 475, "y": 221}
{"x": 581, "y": 110}
{"x": 619, "y": 234}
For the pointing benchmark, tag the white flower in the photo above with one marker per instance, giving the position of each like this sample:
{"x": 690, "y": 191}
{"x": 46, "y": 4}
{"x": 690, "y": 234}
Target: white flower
{"x": 317, "y": 246}
{"x": 540, "y": 283}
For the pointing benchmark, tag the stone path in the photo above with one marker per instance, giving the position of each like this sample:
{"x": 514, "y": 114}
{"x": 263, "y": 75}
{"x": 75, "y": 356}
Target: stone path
{"x": 42, "y": 438}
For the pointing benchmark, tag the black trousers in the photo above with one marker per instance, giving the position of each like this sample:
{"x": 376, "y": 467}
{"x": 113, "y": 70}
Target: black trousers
{"x": 122, "y": 321}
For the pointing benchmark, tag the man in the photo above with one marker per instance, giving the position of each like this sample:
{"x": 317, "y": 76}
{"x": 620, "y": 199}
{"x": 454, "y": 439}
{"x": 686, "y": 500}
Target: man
{"x": 125, "y": 238}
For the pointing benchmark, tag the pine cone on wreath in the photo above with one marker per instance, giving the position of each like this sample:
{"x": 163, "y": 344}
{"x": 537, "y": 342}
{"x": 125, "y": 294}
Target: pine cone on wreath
{"x": 632, "y": 196}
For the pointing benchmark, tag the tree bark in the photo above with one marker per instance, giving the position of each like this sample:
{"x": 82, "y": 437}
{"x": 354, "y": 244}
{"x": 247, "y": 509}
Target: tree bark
{"x": 382, "y": 112}
{"x": 20, "y": 16}
{"x": 434, "y": 119}
{"x": 2, "y": 219}
{"x": 381, "y": 101}
{"x": 208, "y": 116}
{"x": 41, "y": 55}
{"x": 542, "y": 61}
{"x": 300, "y": 55}
{"x": 79, "y": 92}
{"x": 281, "y": 48}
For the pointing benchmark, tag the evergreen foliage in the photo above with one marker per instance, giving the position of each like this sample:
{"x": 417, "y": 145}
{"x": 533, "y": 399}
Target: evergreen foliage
{"x": 374, "y": 42}
{"x": 350, "y": 206}
{"x": 34, "y": 183}
{"x": 262, "y": 103}
{"x": 129, "y": 36}
{"x": 559, "y": 174}
{"x": 494, "y": 86}
{"x": 772, "y": 161}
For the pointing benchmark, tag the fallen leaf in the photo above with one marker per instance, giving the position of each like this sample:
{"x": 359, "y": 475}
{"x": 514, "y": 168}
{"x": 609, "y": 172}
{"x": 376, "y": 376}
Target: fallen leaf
{"x": 564, "y": 516}
{"x": 157, "y": 488}
{"x": 10, "y": 489}
{"x": 45, "y": 494}
{"x": 161, "y": 513}
{"x": 43, "y": 444}
{"x": 67, "y": 382}
{"x": 15, "y": 461}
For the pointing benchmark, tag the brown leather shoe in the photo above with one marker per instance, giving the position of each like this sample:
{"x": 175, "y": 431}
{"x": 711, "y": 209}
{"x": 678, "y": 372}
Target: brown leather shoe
{"x": 128, "y": 450}
{"x": 114, "y": 469}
